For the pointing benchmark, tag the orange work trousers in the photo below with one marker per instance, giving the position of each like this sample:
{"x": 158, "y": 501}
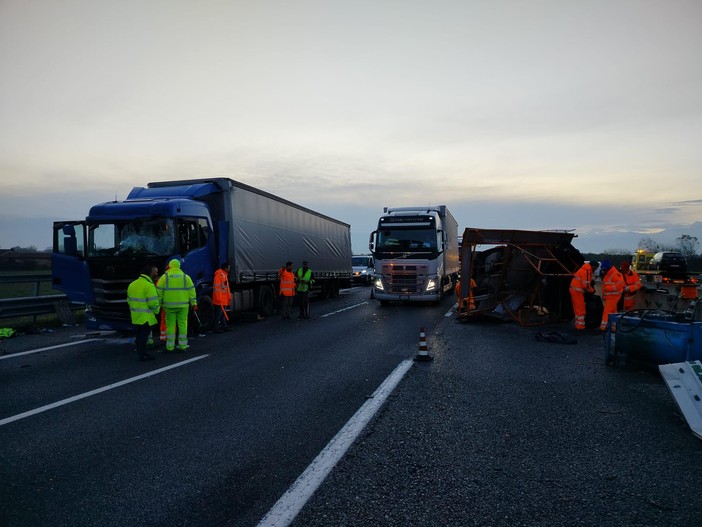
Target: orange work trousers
{"x": 610, "y": 307}
{"x": 578, "y": 299}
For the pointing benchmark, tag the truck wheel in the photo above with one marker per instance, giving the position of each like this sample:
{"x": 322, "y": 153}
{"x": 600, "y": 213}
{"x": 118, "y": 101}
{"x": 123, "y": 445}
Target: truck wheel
{"x": 266, "y": 301}
{"x": 205, "y": 313}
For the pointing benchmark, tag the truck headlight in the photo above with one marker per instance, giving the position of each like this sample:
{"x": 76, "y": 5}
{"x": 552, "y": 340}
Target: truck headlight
{"x": 379, "y": 284}
{"x": 431, "y": 284}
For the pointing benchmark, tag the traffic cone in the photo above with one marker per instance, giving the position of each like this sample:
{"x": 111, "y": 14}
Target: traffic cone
{"x": 423, "y": 355}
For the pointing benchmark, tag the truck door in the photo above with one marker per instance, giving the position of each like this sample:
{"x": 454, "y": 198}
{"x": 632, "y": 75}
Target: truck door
{"x": 69, "y": 268}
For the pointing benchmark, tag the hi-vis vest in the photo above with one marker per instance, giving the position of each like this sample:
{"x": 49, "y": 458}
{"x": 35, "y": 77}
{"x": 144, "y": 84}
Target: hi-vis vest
{"x": 612, "y": 283}
{"x": 176, "y": 289}
{"x": 287, "y": 283}
{"x": 582, "y": 279}
{"x": 304, "y": 280}
{"x": 143, "y": 301}
{"x": 221, "y": 295}
{"x": 633, "y": 282}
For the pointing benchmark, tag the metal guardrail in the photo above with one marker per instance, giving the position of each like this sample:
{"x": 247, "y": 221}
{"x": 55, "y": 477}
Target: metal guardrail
{"x": 31, "y": 305}
{"x": 34, "y": 305}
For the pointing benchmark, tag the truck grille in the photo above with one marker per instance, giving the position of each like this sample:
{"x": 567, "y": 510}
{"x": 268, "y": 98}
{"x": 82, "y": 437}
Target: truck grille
{"x": 404, "y": 279}
{"x": 111, "y": 298}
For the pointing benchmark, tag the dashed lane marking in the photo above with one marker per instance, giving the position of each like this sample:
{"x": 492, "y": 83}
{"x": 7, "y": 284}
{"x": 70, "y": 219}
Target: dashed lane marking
{"x": 96, "y": 391}
{"x": 38, "y": 350}
{"x": 289, "y": 505}
{"x": 345, "y": 309}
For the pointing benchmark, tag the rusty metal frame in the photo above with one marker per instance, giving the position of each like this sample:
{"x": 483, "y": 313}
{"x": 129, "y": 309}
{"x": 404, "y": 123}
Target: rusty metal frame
{"x": 537, "y": 249}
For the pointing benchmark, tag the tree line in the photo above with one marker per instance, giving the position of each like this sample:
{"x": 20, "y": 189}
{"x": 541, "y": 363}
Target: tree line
{"x": 688, "y": 246}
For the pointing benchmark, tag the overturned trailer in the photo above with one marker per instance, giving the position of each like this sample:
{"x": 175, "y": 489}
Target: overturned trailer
{"x": 520, "y": 275}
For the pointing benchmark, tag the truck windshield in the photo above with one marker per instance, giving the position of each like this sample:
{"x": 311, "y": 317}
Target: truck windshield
{"x": 408, "y": 242}
{"x": 137, "y": 237}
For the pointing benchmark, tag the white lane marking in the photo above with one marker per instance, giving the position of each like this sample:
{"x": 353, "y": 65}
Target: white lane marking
{"x": 96, "y": 391}
{"x": 345, "y": 309}
{"x": 38, "y": 350}
{"x": 289, "y": 505}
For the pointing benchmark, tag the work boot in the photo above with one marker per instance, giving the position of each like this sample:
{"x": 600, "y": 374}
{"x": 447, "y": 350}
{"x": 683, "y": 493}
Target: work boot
{"x": 145, "y": 356}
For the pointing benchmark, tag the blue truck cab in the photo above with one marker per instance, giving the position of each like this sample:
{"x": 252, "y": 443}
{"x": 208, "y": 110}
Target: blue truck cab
{"x": 95, "y": 260}
{"x": 204, "y": 223}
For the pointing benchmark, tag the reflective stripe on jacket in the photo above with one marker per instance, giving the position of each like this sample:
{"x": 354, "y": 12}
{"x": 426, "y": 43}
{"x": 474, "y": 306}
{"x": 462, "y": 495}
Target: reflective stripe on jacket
{"x": 582, "y": 280}
{"x": 221, "y": 295}
{"x": 304, "y": 279}
{"x": 612, "y": 283}
{"x": 143, "y": 301}
{"x": 287, "y": 283}
{"x": 632, "y": 283}
{"x": 176, "y": 289}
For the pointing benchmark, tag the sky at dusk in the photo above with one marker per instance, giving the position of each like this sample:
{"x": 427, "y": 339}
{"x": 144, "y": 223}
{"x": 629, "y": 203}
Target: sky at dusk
{"x": 542, "y": 114}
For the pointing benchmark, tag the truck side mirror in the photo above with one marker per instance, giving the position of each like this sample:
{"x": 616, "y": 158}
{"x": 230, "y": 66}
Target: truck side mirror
{"x": 371, "y": 241}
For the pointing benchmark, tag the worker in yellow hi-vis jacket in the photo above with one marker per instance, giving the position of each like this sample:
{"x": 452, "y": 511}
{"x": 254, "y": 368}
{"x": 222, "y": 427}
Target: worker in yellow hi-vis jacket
{"x": 177, "y": 294}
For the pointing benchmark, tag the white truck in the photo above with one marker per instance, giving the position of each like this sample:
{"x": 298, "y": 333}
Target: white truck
{"x": 416, "y": 254}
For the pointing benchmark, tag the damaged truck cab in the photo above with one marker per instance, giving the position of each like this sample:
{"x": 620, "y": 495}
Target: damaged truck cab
{"x": 203, "y": 222}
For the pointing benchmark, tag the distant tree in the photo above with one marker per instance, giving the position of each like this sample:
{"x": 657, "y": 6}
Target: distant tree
{"x": 649, "y": 244}
{"x": 688, "y": 245}
{"x": 30, "y": 249}
{"x": 618, "y": 252}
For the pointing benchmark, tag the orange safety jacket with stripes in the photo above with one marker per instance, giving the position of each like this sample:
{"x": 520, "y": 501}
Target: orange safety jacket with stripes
{"x": 632, "y": 283}
{"x": 287, "y": 283}
{"x": 582, "y": 280}
{"x": 612, "y": 283}
{"x": 221, "y": 295}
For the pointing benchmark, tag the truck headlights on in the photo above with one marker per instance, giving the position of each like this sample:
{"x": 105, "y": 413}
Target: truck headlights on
{"x": 379, "y": 284}
{"x": 431, "y": 284}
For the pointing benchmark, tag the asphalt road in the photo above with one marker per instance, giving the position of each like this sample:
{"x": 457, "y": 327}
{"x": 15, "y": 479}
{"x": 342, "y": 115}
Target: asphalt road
{"x": 498, "y": 429}
{"x": 502, "y": 430}
{"x": 211, "y": 437}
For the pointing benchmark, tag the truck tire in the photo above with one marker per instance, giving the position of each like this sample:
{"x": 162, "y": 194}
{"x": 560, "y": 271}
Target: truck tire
{"x": 324, "y": 290}
{"x": 205, "y": 313}
{"x": 266, "y": 301}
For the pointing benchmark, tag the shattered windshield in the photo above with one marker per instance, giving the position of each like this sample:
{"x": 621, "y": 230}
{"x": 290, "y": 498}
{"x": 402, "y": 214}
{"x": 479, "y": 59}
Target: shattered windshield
{"x": 135, "y": 238}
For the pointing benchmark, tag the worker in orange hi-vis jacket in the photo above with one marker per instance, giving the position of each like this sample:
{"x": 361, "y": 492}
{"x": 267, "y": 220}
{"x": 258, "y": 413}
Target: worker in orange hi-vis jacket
{"x": 582, "y": 283}
{"x": 632, "y": 283}
{"x": 612, "y": 289}
{"x": 466, "y": 302}
{"x": 221, "y": 298}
